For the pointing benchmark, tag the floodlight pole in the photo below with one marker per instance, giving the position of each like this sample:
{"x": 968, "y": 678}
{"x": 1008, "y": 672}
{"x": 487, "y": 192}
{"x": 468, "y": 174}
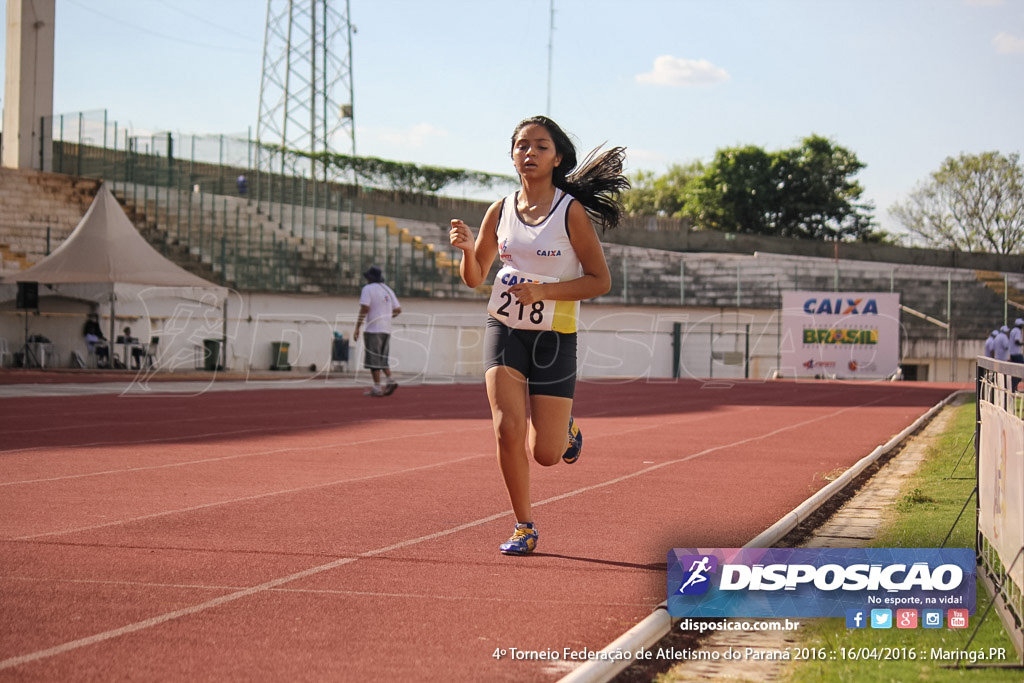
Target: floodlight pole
{"x": 306, "y": 68}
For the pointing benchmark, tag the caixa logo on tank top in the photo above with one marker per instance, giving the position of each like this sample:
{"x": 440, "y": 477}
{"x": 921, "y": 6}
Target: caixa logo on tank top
{"x": 504, "y": 254}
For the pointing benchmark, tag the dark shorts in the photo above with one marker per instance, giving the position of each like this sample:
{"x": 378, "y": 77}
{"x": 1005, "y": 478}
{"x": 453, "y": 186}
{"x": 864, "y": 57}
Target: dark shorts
{"x": 546, "y": 359}
{"x": 377, "y": 349}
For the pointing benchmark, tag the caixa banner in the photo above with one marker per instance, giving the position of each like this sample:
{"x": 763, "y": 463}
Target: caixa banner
{"x": 816, "y": 582}
{"x": 853, "y": 335}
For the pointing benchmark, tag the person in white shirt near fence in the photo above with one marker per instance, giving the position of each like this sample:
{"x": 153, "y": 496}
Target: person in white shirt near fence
{"x": 377, "y": 306}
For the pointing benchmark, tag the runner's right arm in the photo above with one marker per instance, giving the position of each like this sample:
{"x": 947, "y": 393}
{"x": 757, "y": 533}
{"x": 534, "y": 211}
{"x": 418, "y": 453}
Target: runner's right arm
{"x": 477, "y": 258}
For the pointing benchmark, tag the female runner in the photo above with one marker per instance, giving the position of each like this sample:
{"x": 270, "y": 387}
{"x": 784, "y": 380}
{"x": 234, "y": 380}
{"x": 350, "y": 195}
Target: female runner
{"x": 550, "y": 260}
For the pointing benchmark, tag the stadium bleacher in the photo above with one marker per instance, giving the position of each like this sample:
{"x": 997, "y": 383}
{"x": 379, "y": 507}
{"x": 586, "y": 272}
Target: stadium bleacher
{"x": 279, "y": 246}
{"x": 39, "y": 211}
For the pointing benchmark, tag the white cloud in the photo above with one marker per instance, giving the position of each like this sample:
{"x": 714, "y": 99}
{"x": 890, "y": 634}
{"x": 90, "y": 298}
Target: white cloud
{"x": 1007, "y": 44}
{"x": 644, "y": 158}
{"x": 416, "y": 136}
{"x": 673, "y": 71}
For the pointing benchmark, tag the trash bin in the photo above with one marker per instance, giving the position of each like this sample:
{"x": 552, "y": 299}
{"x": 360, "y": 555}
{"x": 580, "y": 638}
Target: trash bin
{"x": 339, "y": 352}
{"x": 211, "y": 354}
{"x": 279, "y": 356}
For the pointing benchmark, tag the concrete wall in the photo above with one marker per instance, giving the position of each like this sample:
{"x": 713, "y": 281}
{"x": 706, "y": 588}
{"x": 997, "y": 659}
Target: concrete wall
{"x": 944, "y": 360}
{"x": 28, "y": 82}
{"x": 439, "y": 338}
{"x": 435, "y": 337}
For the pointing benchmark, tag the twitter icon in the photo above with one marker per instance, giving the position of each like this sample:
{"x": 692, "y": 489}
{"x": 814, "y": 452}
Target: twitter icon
{"x": 881, "y": 618}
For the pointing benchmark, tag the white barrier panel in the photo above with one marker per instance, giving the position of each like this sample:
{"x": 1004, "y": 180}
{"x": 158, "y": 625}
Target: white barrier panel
{"x": 1001, "y": 486}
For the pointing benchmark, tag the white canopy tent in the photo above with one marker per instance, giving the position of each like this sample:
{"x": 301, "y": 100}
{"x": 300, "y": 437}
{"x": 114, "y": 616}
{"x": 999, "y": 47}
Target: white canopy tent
{"x": 106, "y": 260}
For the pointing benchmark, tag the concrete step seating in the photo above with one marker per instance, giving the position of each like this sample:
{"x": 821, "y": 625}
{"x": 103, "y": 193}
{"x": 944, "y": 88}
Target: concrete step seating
{"x": 239, "y": 246}
{"x": 34, "y": 203}
{"x": 757, "y": 281}
{"x": 281, "y": 246}
{"x": 229, "y": 234}
{"x": 13, "y": 261}
{"x": 1009, "y": 285}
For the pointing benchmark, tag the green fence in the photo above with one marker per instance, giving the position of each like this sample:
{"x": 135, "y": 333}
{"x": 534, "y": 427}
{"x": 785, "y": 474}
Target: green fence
{"x": 295, "y": 233}
{"x": 204, "y": 201}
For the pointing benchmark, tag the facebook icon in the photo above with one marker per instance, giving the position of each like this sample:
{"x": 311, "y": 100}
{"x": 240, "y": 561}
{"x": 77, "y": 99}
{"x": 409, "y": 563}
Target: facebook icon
{"x": 856, "y": 618}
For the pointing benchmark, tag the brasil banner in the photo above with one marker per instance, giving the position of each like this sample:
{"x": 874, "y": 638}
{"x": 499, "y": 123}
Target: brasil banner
{"x": 848, "y": 335}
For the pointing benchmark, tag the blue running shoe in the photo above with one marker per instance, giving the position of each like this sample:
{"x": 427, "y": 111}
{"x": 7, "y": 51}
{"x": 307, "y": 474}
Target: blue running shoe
{"x": 572, "y": 453}
{"x": 523, "y": 541}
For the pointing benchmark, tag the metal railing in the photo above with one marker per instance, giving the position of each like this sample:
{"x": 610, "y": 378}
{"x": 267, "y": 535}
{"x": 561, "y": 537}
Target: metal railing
{"x": 202, "y": 198}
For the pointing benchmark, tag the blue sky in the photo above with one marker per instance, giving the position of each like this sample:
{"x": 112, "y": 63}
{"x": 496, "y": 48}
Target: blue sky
{"x": 901, "y": 83}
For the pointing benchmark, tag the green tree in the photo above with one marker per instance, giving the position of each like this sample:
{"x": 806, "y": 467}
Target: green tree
{"x": 818, "y": 197}
{"x": 653, "y": 195}
{"x": 396, "y": 175}
{"x": 807, "y": 192}
{"x": 735, "y": 192}
{"x": 974, "y": 202}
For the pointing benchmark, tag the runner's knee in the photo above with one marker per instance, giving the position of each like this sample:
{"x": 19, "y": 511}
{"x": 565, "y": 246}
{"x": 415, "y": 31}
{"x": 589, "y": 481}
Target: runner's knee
{"x": 546, "y": 455}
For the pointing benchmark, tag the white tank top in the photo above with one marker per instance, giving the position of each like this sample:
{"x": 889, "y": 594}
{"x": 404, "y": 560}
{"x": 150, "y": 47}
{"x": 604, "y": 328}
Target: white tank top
{"x": 539, "y": 252}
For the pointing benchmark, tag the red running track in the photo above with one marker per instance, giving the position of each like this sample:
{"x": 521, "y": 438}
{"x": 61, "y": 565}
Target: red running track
{"x": 316, "y": 535}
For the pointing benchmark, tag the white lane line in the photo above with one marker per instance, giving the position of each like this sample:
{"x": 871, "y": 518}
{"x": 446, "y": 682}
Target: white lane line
{"x": 148, "y": 418}
{"x": 247, "y": 454}
{"x": 511, "y": 598}
{"x": 243, "y": 499}
{"x": 275, "y": 583}
{"x": 231, "y": 597}
{"x": 424, "y": 467}
{"x": 174, "y": 388}
{"x": 291, "y": 429}
{"x": 137, "y": 442}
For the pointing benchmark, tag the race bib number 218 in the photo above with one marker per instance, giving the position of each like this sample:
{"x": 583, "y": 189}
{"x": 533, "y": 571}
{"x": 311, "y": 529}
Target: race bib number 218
{"x": 505, "y": 308}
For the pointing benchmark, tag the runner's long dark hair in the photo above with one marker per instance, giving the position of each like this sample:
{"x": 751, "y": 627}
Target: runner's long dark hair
{"x": 596, "y": 184}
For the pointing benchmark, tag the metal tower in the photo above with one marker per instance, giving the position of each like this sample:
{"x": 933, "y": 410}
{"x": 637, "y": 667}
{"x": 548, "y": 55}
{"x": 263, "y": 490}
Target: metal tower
{"x": 306, "y": 92}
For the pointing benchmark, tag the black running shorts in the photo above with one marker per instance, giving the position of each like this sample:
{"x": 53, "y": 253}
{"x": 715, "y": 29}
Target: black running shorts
{"x": 546, "y": 359}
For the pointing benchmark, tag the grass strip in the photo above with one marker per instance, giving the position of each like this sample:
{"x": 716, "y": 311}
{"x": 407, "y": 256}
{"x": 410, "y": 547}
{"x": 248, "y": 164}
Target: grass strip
{"x": 924, "y": 513}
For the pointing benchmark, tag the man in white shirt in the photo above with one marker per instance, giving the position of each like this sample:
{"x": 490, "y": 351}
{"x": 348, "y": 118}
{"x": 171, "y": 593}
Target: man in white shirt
{"x": 1002, "y": 345}
{"x": 990, "y": 344}
{"x": 1016, "y": 341}
{"x": 1016, "y": 334}
{"x": 377, "y": 306}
